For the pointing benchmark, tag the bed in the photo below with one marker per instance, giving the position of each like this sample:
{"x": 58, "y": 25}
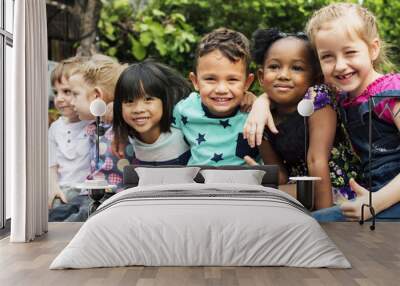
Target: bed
{"x": 173, "y": 221}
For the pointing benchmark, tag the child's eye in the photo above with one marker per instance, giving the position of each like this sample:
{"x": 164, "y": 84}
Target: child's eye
{"x": 325, "y": 57}
{"x": 273, "y": 66}
{"x": 298, "y": 68}
{"x": 233, "y": 79}
{"x": 148, "y": 98}
{"x": 209, "y": 79}
{"x": 351, "y": 52}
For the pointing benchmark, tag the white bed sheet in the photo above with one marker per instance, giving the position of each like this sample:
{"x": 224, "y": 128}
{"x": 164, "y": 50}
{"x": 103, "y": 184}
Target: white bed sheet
{"x": 183, "y": 230}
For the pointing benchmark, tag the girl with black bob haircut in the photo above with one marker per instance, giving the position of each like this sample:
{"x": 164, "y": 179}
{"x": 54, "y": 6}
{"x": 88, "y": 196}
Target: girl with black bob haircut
{"x": 145, "y": 96}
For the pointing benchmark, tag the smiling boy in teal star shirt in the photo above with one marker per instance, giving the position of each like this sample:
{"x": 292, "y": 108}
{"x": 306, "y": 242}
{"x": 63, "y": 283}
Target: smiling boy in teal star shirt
{"x": 210, "y": 118}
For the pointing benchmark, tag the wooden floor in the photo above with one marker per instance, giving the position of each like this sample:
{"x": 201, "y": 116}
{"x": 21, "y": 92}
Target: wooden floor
{"x": 374, "y": 255}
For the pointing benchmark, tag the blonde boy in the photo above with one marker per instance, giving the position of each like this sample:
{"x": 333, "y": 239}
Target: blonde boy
{"x": 69, "y": 161}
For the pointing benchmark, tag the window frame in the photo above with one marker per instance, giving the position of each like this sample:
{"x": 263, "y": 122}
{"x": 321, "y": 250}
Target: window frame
{"x": 6, "y": 39}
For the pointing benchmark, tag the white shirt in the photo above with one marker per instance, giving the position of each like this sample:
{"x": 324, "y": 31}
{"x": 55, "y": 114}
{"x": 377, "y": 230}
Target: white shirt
{"x": 69, "y": 149}
{"x": 169, "y": 146}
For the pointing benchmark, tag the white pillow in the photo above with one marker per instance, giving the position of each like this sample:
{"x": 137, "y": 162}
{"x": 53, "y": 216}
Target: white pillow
{"x": 249, "y": 177}
{"x": 164, "y": 176}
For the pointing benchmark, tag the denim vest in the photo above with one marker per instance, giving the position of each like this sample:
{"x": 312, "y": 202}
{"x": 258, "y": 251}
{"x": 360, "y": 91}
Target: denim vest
{"x": 385, "y": 147}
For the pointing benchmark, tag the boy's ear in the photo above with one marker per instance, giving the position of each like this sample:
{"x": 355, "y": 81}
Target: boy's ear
{"x": 193, "y": 79}
{"x": 375, "y": 48}
{"x": 249, "y": 80}
{"x": 99, "y": 93}
{"x": 260, "y": 76}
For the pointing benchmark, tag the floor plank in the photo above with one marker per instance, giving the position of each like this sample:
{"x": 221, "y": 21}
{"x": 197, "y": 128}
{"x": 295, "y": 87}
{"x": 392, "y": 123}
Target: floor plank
{"x": 374, "y": 255}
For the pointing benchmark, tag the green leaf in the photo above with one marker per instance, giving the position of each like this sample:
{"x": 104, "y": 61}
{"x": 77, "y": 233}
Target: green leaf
{"x": 146, "y": 38}
{"x": 118, "y": 4}
{"x": 138, "y": 51}
{"x": 157, "y": 29}
{"x": 143, "y": 27}
{"x": 112, "y": 51}
{"x": 161, "y": 46}
{"x": 158, "y": 13}
{"x": 169, "y": 29}
{"x": 178, "y": 17}
{"x": 109, "y": 29}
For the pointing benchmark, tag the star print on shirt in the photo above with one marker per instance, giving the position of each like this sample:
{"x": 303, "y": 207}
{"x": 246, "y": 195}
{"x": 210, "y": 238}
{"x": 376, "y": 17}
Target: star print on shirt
{"x": 217, "y": 157}
{"x": 184, "y": 120}
{"x": 225, "y": 123}
{"x": 201, "y": 138}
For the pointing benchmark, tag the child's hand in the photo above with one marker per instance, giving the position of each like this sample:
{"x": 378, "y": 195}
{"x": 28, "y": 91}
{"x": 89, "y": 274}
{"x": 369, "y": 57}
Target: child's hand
{"x": 108, "y": 117}
{"x": 247, "y": 101}
{"x": 53, "y": 194}
{"x": 250, "y": 161}
{"x": 259, "y": 116}
{"x": 54, "y": 188}
{"x": 352, "y": 209}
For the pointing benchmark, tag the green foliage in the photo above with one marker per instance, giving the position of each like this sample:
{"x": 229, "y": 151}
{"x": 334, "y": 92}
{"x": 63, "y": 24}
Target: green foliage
{"x": 132, "y": 35}
{"x": 387, "y": 13}
{"x": 169, "y": 29}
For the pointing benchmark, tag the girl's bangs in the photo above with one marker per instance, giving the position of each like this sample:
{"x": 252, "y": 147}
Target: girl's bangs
{"x": 133, "y": 90}
{"x": 142, "y": 83}
{"x": 154, "y": 82}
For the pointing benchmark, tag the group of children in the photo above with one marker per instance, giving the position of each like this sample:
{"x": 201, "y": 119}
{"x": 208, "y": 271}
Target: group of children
{"x": 157, "y": 121}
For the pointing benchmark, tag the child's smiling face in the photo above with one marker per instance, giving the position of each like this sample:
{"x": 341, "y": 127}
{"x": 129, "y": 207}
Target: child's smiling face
{"x": 287, "y": 72}
{"x": 346, "y": 59}
{"x": 221, "y": 82}
{"x": 144, "y": 115}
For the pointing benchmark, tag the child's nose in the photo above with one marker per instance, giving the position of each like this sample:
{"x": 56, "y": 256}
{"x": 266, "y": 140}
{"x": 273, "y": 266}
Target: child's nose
{"x": 138, "y": 107}
{"x": 60, "y": 97}
{"x": 138, "y": 110}
{"x": 284, "y": 74}
{"x": 340, "y": 63}
{"x": 221, "y": 87}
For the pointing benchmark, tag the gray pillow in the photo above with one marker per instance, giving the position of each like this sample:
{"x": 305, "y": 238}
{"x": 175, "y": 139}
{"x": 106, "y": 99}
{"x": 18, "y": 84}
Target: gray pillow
{"x": 249, "y": 177}
{"x": 163, "y": 176}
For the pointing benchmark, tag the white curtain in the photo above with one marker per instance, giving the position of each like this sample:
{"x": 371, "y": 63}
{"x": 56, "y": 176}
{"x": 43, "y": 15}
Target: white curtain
{"x": 26, "y": 123}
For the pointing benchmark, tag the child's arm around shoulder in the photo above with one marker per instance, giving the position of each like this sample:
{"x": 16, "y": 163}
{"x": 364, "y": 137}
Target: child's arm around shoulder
{"x": 322, "y": 129}
{"x": 259, "y": 117}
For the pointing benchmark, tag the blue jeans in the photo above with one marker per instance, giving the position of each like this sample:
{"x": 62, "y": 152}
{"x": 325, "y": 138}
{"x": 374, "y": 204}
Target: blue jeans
{"x": 335, "y": 214}
{"x": 75, "y": 210}
{"x": 69, "y": 193}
